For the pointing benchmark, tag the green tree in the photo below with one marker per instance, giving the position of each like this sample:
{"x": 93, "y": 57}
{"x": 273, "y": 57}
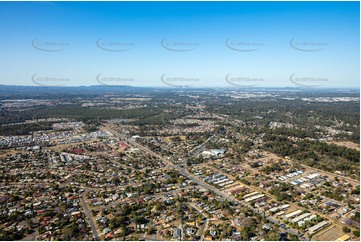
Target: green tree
{"x": 345, "y": 229}
{"x": 272, "y": 236}
{"x": 149, "y": 230}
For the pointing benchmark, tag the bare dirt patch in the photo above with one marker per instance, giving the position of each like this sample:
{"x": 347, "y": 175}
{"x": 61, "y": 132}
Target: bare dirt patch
{"x": 329, "y": 234}
{"x": 346, "y": 144}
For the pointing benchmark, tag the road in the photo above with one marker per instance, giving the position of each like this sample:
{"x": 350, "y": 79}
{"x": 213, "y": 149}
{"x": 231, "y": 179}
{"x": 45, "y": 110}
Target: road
{"x": 149, "y": 238}
{"x": 87, "y": 214}
{"x": 184, "y": 172}
{"x": 198, "y": 149}
{"x": 119, "y": 201}
{"x": 31, "y": 237}
{"x": 205, "y": 223}
{"x": 292, "y": 204}
{"x": 351, "y": 180}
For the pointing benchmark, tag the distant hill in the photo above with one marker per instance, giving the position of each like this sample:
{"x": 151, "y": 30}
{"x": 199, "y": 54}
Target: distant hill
{"x": 23, "y": 92}
{"x": 42, "y": 92}
{"x": 95, "y": 88}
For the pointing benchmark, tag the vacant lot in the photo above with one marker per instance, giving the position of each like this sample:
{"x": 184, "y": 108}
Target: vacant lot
{"x": 330, "y": 234}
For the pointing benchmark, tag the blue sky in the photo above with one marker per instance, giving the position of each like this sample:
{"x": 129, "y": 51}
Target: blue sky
{"x": 239, "y": 44}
